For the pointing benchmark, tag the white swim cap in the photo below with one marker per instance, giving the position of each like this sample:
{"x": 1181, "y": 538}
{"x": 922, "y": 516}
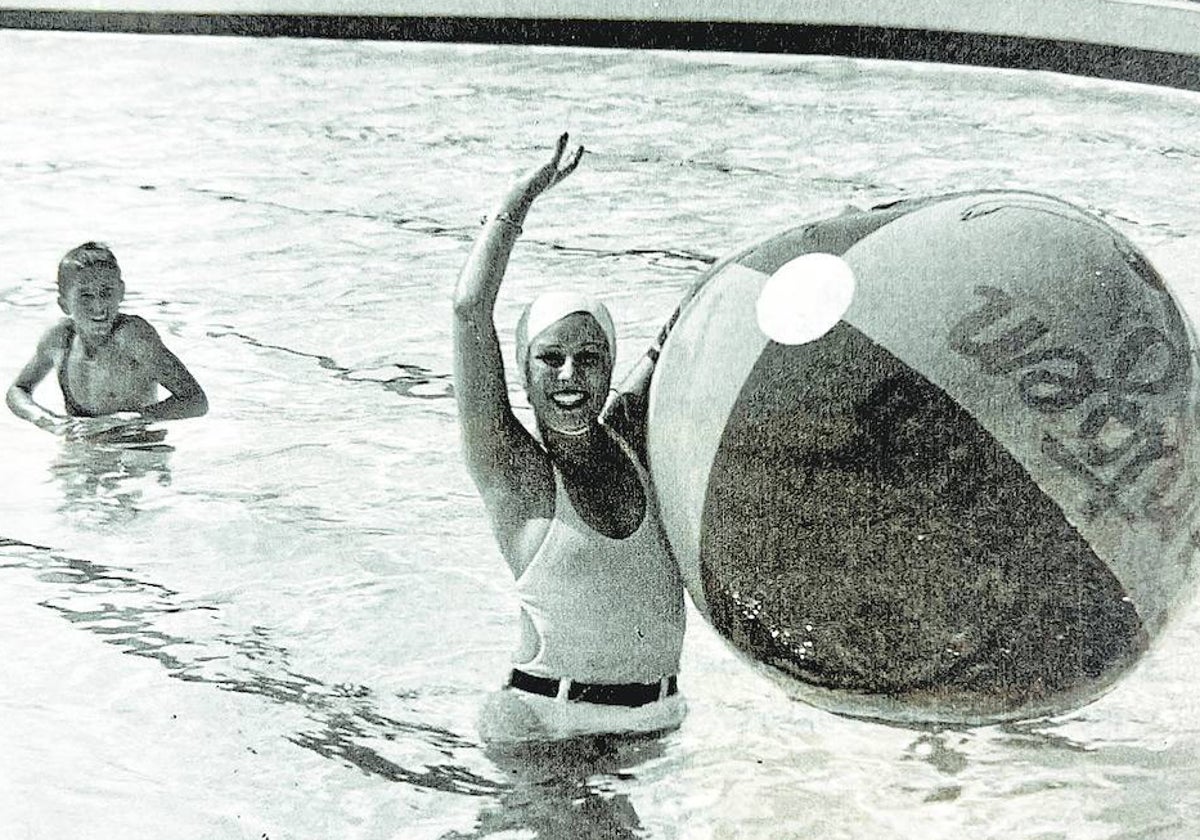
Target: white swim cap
{"x": 552, "y": 307}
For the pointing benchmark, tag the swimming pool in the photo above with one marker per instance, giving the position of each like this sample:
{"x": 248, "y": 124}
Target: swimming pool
{"x": 283, "y": 627}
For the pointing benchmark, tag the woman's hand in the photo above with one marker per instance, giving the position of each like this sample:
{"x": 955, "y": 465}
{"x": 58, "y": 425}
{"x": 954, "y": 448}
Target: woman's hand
{"x": 541, "y": 178}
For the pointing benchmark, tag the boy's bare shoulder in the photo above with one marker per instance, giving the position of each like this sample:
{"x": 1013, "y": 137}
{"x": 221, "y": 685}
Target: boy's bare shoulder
{"x": 137, "y": 329}
{"x": 56, "y": 334}
{"x": 137, "y": 323}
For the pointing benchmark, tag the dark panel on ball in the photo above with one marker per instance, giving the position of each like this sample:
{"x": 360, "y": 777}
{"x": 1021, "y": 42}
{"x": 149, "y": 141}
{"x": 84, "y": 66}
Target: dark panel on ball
{"x": 867, "y": 535}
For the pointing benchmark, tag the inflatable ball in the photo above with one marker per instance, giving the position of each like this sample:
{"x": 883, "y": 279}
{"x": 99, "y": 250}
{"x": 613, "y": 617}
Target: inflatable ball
{"x": 965, "y": 490}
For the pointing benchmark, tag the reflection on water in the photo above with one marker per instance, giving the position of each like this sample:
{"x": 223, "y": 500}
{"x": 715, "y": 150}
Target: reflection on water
{"x": 560, "y": 791}
{"x": 106, "y": 483}
{"x": 1039, "y": 735}
{"x": 137, "y": 616}
{"x": 557, "y": 791}
{"x": 314, "y": 559}
{"x": 408, "y": 380}
{"x": 934, "y": 749}
{"x": 565, "y": 790}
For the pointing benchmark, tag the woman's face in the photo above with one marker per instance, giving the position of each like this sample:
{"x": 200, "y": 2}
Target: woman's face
{"x": 568, "y": 371}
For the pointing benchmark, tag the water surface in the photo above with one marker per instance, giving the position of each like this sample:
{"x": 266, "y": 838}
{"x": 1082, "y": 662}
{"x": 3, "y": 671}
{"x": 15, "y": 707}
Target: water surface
{"x": 283, "y": 626}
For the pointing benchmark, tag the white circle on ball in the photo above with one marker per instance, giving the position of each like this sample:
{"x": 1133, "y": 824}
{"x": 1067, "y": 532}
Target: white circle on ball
{"x": 805, "y": 298}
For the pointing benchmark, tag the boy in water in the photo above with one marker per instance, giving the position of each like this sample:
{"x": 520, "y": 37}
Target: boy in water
{"x": 109, "y": 364}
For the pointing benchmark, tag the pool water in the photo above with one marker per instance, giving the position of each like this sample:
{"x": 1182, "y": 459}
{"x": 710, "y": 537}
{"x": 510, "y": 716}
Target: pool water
{"x": 281, "y": 626}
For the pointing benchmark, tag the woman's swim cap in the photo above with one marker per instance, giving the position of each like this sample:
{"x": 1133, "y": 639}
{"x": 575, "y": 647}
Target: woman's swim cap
{"x": 552, "y": 307}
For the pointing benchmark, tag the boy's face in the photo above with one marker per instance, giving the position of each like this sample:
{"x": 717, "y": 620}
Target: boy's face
{"x": 93, "y": 299}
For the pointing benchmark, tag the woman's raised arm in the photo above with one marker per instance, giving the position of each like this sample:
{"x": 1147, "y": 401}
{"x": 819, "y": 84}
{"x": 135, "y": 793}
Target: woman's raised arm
{"x": 492, "y": 438}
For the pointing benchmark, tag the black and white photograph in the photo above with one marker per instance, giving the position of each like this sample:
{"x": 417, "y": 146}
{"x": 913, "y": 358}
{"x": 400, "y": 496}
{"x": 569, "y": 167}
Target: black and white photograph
{"x": 600, "y": 420}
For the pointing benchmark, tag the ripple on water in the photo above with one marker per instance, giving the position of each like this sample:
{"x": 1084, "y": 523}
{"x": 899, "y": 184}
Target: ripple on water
{"x": 283, "y": 627}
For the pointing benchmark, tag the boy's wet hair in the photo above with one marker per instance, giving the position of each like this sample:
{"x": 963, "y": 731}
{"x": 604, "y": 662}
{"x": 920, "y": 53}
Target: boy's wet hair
{"x": 89, "y": 255}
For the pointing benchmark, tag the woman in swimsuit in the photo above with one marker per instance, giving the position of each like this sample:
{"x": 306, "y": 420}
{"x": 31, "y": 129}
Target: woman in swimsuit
{"x": 602, "y": 613}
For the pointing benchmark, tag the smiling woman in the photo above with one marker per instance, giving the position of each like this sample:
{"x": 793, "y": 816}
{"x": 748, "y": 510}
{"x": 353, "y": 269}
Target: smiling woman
{"x": 287, "y": 627}
{"x": 565, "y": 341}
{"x": 601, "y": 599}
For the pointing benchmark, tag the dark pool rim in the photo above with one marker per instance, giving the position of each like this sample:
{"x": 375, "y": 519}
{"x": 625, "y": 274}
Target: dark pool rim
{"x": 1120, "y": 63}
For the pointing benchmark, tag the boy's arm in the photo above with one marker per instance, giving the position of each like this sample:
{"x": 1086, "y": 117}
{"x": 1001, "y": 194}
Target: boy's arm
{"x": 20, "y": 393}
{"x": 187, "y": 397}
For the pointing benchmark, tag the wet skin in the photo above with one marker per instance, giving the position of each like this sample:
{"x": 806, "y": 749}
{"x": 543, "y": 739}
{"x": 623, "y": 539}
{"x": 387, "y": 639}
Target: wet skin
{"x": 567, "y": 378}
{"x": 106, "y": 371}
{"x": 112, "y": 365}
{"x": 567, "y": 374}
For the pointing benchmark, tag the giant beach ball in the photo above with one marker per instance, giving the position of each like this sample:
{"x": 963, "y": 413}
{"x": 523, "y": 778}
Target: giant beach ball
{"x": 935, "y": 461}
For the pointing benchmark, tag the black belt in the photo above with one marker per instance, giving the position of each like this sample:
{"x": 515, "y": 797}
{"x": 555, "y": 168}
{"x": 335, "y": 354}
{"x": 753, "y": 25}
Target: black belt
{"x": 608, "y": 694}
